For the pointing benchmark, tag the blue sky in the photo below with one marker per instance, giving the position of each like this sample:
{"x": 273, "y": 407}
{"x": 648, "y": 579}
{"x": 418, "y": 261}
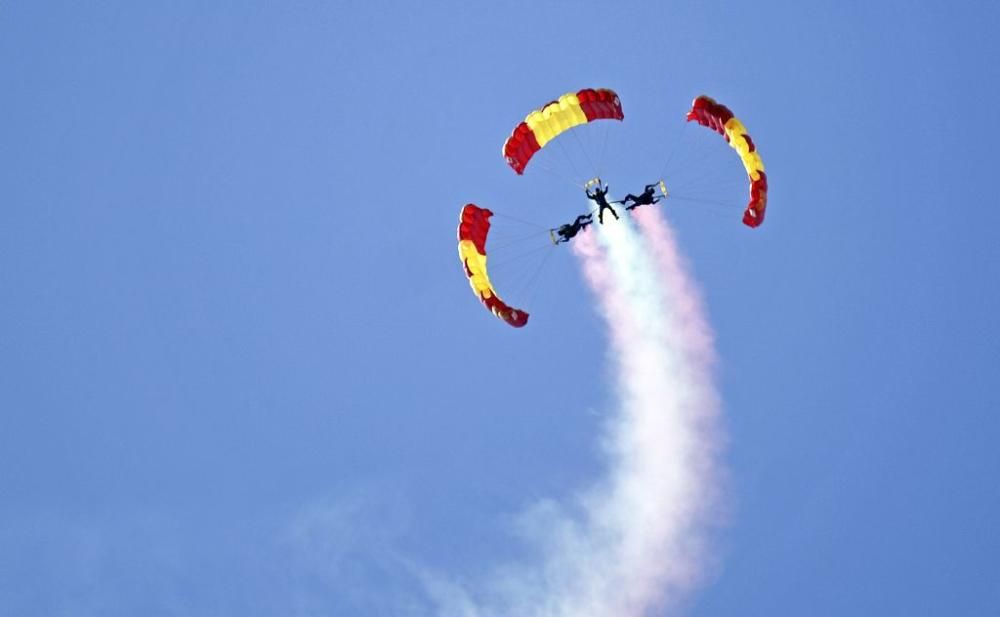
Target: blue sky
{"x": 241, "y": 372}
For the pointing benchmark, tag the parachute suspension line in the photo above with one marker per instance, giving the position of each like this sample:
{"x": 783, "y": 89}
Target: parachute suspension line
{"x": 562, "y": 148}
{"x": 700, "y": 152}
{"x": 675, "y": 146}
{"x": 714, "y": 209}
{"x": 709, "y": 187}
{"x": 696, "y": 175}
{"x": 706, "y": 177}
{"x": 585, "y": 153}
{"x": 519, "y": 220}
{"x": 702, "y": 200}
{"x": 604, "y": 147}
{"x": 507, "y": 261}
{"x": 527, "y": 290}
{"x": 558, "y": 175}
{"x": 521, "y": 240}
{"x": 709, "y": 202}
{"x": 697, "y": 180}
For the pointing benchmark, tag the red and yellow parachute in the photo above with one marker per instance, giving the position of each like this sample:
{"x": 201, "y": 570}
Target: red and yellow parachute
{"x": 707, "y": 112}
{"x": 473, "y": 227}
{"x": 542, "y": 125}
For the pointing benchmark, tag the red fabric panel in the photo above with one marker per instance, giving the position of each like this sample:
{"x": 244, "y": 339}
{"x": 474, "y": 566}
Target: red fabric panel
{"x": 762, "y": 183}
{"x": 474, "y": 224}
{"x": 753, "y": 218}
{"x": 512, "y": 316}
{"x": 754, "y": 214}
{"x": 708, "y": 113}
{"x": 520, "y": 147}
{"x": 602, "y": 104}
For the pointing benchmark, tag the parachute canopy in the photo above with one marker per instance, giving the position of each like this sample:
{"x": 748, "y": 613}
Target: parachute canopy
{"x": 473, "y": 227}
{"x": 707, "y": 112}
{"x": 542, "y": 125}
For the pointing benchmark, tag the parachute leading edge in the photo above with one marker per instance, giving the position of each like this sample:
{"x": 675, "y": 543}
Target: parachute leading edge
{"x": 473, "y": 227}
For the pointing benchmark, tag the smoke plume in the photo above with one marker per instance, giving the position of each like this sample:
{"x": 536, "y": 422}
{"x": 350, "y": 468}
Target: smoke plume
{"x": 633, "y": 543}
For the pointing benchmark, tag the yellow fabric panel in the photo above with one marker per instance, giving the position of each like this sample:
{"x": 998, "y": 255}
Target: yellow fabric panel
{"x": 536, "y": 122}
{"x": 467, "y": 251}
{"x": 734, "y": 133}
{"x": 555, "y": 118}
{"x": 739, "y": 143}
{"x": 735, "y": 126}
{"x": 570, "y": 113}
{"x": 572, "y": 103}
{"x": 752, "y": 162}
{"x": 476, "y": 263}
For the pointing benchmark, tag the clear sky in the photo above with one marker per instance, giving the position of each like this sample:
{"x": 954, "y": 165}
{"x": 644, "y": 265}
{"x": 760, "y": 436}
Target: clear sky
{"x": 241, "y": 372}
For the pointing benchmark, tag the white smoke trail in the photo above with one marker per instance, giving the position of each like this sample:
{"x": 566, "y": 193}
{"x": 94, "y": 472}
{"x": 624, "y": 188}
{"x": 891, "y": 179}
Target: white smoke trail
{"x": 633, "y": 544}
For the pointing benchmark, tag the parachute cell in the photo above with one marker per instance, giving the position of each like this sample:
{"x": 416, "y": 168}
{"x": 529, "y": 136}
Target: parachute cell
{"x": 707, "y": 112}
{"x": 473, "y": 227}
{"x": 542, "y": 125}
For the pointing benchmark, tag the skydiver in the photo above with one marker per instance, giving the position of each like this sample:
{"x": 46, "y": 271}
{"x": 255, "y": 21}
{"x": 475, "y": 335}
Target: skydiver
{"x": 566, "y": 232}
{"x": 601, "y": 197}
{"x": 644, "y": 199}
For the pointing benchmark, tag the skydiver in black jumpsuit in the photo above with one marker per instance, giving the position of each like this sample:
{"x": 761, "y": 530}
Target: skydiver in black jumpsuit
{"x": 644, "y": 199}
{"x": 566, "y": 232}
{"x": 601, "y": 197}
